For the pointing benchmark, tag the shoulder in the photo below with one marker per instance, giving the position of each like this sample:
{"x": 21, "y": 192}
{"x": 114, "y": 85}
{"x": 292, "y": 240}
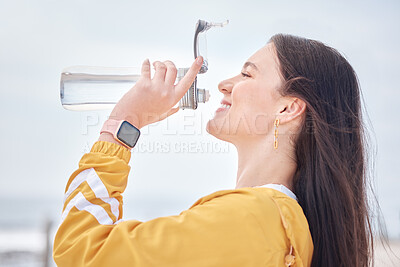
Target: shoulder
{"x": 290, "y": 211}
{"x": 250, "y": 199}
{"x": 259, "y": 206}
{"x": 255, "y": 199}
{"x": 274, "y": 215}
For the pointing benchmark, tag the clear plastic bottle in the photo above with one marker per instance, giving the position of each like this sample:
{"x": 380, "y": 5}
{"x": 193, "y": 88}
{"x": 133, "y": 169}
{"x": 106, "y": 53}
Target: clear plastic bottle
{"x": 96, "y": 88}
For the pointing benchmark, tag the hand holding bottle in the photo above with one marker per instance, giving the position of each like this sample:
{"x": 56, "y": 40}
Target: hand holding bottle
{"x": 153, "y": 99}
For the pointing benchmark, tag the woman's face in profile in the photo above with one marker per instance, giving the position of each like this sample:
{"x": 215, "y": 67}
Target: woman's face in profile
{"x": 250, "y": 99}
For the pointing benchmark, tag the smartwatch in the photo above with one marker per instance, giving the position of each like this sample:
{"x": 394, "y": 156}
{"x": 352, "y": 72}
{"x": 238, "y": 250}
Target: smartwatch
{"x": 124, "y": 132}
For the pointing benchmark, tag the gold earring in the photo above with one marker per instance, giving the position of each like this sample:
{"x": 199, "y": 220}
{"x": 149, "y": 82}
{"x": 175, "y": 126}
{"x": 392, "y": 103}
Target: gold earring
{"x": 276, "y": 123}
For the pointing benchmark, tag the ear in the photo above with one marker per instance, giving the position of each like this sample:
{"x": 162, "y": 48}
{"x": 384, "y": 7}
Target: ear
{"x": 292, "y": 110}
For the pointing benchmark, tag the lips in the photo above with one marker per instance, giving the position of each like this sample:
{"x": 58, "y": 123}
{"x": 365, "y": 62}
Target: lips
{"x": 225, "y": 105}
{"x": 224, "y": 102}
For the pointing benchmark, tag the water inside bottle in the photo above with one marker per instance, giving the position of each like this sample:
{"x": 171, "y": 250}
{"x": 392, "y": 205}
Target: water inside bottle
{"x": 96, "y": 88}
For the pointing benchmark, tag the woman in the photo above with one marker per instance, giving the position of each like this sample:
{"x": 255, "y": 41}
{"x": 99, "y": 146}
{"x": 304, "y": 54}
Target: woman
{"x": 294, "y": 115}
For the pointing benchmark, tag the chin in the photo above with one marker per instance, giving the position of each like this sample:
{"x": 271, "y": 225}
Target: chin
{"x": 217, "y": 130}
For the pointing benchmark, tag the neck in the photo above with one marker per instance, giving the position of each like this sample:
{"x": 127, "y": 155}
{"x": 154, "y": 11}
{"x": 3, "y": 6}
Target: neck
{"x": 259, "y": 163}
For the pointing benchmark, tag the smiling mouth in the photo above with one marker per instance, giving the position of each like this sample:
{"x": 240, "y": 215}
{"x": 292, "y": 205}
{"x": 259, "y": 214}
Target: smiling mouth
{"x": 223, "y": 107}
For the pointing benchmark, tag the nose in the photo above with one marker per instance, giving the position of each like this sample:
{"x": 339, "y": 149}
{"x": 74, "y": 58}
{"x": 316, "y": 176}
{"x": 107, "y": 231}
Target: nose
{"x": 226, "y": 86}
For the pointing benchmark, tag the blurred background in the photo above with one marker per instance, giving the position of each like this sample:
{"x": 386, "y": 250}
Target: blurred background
{"x": 176, "y": 161}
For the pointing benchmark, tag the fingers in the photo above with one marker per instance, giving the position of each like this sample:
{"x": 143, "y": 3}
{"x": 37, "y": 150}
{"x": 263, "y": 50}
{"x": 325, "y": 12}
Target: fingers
{"x": 170, "y": 75}
{"x": 146, "y": 71}
{"x": 161, "y": 69}
{"x": 165, "y": 72}
{"x": 189, "y": 78}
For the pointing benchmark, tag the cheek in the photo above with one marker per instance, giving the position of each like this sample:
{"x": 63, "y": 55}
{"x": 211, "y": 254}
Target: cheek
{"x": 252, "y": 99}
{"x": 243, "y": 95}
{"x": 256, "y": 105}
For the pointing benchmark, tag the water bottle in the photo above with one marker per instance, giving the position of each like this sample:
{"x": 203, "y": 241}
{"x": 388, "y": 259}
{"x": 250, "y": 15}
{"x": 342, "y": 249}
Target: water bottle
{"x": 95, "y": 88}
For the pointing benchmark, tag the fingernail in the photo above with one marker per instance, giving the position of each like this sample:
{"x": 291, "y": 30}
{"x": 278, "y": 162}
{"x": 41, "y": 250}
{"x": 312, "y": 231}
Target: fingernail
{"x": 199, "y": 60}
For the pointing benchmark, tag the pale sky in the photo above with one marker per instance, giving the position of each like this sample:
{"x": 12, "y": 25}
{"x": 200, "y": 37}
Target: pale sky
{"x": 42, "y": 143}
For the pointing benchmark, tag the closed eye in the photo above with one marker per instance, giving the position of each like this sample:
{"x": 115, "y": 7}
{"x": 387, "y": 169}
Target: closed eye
{"x": 245, "y": 75}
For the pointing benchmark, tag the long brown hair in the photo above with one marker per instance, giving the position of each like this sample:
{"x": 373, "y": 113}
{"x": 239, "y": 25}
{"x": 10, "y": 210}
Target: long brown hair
{"x": 331, "y": 179}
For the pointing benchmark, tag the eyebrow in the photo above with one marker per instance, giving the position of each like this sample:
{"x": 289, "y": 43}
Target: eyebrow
{"x": 251, "y": 64}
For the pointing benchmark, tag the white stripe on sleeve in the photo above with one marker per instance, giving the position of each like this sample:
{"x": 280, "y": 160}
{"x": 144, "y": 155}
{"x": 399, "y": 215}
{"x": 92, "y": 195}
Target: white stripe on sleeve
{"x": 98, "y": 188}
{"x": 80, "y": 202}
{"x": 78, "y": 180}
{"x": 101, "y": 192}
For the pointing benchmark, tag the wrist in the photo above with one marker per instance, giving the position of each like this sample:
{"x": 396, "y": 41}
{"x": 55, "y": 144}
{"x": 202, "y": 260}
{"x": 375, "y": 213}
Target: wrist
{"x": 132, "y": 118}
{"x": 107, "y": 137}
{"x": 120, "y": 132}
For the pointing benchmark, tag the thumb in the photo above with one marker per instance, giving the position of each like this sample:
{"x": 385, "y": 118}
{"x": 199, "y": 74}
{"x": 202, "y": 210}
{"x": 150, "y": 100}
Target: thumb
{"x": 188, "y": 79}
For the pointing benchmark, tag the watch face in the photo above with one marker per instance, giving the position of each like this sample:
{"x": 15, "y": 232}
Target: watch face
{"x": 128, "y": 134}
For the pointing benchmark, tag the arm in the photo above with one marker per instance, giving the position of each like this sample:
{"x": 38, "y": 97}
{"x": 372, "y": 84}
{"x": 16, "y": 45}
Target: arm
{"x": 210, "y": 233}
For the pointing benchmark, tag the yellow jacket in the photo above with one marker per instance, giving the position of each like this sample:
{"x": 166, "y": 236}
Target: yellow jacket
{"x": 242, "y": 227}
